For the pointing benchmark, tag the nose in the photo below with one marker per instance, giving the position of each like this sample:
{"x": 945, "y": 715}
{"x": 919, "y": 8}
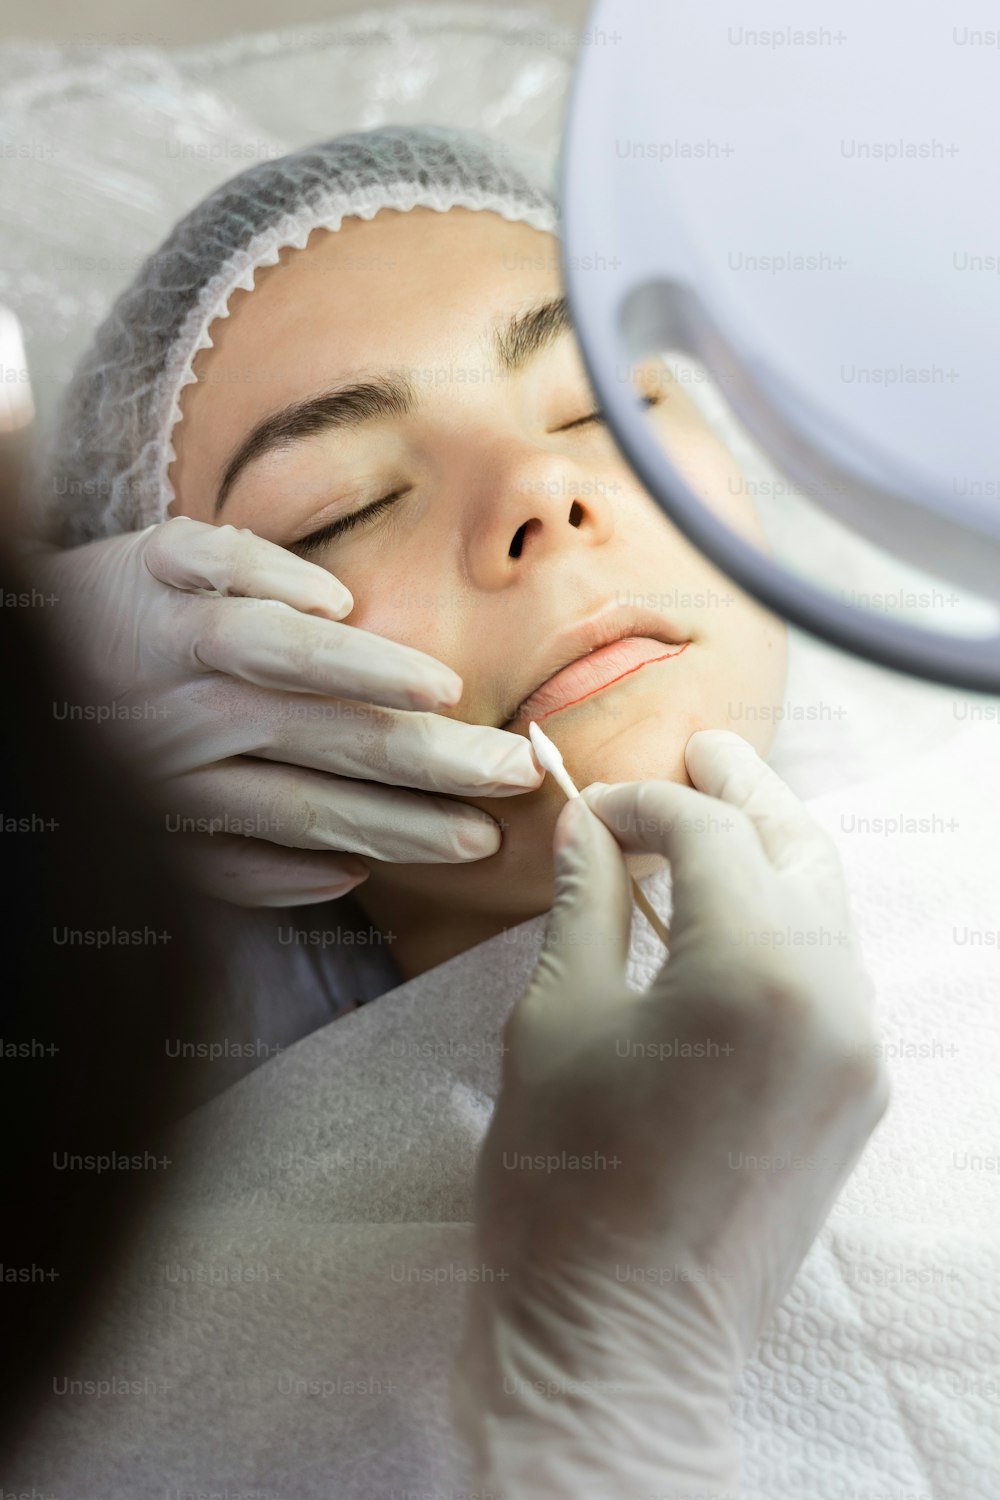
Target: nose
{"x": 529, "y": 510}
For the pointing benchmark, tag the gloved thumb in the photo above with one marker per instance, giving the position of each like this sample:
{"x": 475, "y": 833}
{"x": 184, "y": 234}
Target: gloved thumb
{"x": 587, "y": 935}
{"x": 584, "y": 949}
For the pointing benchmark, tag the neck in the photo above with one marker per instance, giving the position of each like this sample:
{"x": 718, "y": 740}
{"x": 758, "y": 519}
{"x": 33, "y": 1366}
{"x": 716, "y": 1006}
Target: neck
{"x": 421, "y": 936}
{"x": 422, "y": 933}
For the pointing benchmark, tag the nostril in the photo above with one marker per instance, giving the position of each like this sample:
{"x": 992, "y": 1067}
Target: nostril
{"x": 518, "y": 542}
{"x": 517, "y": 545}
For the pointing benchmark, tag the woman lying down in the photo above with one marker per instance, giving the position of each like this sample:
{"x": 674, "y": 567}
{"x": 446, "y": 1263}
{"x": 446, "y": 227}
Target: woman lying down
{"x": 363, "y": 355}
{"x": 360, "y": 357}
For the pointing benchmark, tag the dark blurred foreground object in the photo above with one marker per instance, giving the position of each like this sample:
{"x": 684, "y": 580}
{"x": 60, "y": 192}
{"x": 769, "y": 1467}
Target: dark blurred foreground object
{"x": 100, "y": 974}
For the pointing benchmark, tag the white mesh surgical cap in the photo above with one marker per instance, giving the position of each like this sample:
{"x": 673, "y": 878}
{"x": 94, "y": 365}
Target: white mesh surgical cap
{"x": 111, "y": 448}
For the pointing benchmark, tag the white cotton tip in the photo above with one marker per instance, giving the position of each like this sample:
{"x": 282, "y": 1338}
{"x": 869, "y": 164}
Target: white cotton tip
{"x": 550, "y": 759}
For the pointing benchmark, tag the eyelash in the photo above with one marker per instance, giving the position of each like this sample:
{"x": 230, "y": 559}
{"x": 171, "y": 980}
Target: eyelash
{"x": 598, "y": 416}
{"x": 309, "y": 544}
{"x": 312, "y": 543}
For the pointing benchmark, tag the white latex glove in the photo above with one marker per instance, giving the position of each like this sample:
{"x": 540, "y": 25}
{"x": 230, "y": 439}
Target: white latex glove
{"x": 721, "y": 1109}
{"x": 222, "y": 656}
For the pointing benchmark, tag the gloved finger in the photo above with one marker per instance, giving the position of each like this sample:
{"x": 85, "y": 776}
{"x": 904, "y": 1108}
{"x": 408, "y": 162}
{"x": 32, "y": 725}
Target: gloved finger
{"x": 273, "y": 645}
{"x": 591, "y": 917}
{"x": 723, "y": 765}
{"x": 192, "y": 555}
{"x": 586, "y": 943}
{"x": 715, "y": 856}
{"x": 213, "y": 718}
{"x": 250, "y": 872}
{"x": 306, "y": 809}
{"x": 423, "y": 750}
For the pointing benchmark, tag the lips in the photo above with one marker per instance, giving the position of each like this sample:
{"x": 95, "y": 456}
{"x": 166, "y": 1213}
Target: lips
{"x": 594, "y": 672}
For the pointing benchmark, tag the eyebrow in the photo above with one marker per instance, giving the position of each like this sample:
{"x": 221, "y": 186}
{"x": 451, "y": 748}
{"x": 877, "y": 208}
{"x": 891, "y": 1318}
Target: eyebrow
{"x": 516, "y": 339}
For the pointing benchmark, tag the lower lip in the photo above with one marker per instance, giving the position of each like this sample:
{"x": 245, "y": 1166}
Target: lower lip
{"x": 592, "y": 674}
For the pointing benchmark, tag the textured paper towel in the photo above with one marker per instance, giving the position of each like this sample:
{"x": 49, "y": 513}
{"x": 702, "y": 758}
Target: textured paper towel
{"x": 291, "y": 1314}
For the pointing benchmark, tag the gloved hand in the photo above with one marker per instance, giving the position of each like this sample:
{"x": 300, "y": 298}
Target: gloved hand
{"x": 659, "y": 1163}
{"x": 223, "y": 656}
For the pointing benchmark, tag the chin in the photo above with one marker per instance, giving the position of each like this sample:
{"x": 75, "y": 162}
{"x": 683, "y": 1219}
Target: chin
{"x": 630, "y": 734}
{"x": 608, "y": 741}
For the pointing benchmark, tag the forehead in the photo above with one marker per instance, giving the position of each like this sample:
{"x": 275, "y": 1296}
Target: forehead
{"x": 379, "y": 291}
{"x": 401, "y": 290}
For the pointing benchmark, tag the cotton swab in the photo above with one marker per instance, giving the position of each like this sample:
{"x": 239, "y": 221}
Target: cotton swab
{"x": 552, "y": 761}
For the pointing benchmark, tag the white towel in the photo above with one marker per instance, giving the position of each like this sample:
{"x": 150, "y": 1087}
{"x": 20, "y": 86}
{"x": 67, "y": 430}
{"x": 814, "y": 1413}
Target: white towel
{"x": 289, "y": 1319}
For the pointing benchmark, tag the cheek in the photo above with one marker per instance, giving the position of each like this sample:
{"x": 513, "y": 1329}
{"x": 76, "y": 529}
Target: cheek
{"x": 757, "y": 692}
{"x": 717, "y": 479}
{"x": 393, "y": 598}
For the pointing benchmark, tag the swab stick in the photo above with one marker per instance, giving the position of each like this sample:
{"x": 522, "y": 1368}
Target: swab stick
{"x": 549, "y": 756}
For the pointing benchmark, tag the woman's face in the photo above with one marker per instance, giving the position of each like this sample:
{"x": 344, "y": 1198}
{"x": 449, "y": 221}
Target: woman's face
{"x": 513, "y": 517}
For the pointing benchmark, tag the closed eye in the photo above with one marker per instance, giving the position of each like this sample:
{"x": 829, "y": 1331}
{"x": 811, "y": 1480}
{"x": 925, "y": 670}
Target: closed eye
{"x": 307, "y": 545}
{"x": 598, "y": 415}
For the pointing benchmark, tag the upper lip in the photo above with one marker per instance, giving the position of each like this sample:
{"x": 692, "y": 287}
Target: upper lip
{"x": 612, "y": 623}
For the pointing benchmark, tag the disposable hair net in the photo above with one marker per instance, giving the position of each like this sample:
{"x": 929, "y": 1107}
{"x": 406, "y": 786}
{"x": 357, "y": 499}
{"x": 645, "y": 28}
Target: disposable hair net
{"x": 111, "y": 449}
